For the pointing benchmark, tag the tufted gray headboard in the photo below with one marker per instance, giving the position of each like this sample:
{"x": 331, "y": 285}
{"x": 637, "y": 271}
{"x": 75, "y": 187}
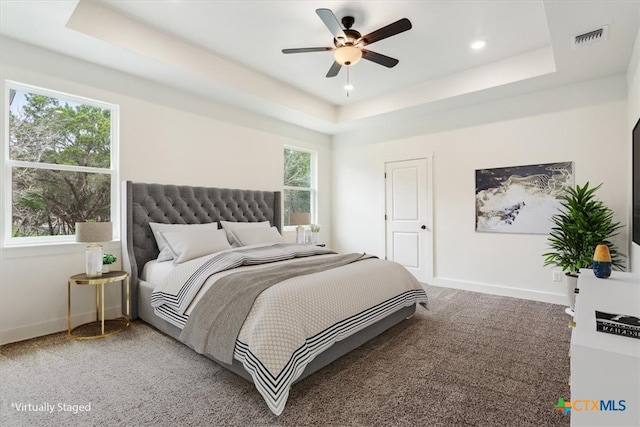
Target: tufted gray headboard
{"x": 172, "y": 204}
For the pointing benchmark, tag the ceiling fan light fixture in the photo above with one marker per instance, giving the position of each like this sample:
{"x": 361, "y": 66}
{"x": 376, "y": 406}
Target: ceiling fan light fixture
{"x": 347, "y": 55}
{"x": 349, "y": 44}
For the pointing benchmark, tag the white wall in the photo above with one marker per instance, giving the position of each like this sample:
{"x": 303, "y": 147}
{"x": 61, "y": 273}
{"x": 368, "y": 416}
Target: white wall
{"x": 589, "y": 129}
{"x": 169, "y": 136}
{"x": 166, "y": 136}
{"x": 633, "y": 89}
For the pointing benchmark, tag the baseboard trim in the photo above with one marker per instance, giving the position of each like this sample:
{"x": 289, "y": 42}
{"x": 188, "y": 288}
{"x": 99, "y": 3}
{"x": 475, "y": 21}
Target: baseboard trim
{"x": 8, "y": 336}
{"x": 60, "y": 324}
{"x": 551, "y": 298}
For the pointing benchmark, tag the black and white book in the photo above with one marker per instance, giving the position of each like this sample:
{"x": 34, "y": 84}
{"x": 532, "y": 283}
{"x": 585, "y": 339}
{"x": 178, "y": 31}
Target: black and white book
{"x": 618, "y": 324}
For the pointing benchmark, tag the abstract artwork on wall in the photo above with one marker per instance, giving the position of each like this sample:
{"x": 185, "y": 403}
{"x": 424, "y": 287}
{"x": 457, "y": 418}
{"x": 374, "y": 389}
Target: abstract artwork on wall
{"x": 520, "y": 199}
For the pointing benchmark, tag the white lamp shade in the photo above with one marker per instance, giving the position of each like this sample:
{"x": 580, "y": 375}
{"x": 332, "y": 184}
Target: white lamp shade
{"x": 299, "y": 218}
{"x": 93, "y": 232}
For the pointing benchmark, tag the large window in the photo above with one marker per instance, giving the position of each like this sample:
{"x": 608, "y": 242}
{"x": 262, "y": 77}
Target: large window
{"x": 299, "y": 184}
{"x": 60, "y": 164}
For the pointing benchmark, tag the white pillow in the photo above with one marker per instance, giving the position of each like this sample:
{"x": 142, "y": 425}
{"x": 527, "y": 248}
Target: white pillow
{"x": 255, "y": 235}
{"x": 190, "y": 244}
{"x": 159, "y": 228}
{"x": 231, "y": 227}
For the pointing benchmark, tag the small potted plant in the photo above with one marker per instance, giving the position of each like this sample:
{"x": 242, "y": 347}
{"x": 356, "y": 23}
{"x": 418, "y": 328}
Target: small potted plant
{"x": 107, "y": 259}
{"x": 315, "y": 233}
{"x": 582, "y": 224}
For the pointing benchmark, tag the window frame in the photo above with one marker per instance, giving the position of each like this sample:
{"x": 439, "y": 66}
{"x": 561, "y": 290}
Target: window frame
{"x": 313, "y": 189}
{"x": 8, "y": 165}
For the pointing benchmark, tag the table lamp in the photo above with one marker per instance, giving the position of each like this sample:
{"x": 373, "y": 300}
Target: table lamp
{"x": 94, "y": 233}
{"x": 300, "y": 219}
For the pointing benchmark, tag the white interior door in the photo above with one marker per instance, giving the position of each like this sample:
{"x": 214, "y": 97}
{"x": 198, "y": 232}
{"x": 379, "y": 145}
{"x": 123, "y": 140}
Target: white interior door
{"x": 408, "y": 231}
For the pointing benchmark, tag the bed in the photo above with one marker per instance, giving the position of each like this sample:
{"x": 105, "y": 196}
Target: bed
{"x": 172, "y": 296}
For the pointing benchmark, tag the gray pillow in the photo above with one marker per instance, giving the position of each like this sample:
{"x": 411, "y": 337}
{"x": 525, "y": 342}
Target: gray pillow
{"x": 190, "y": 244}
{"x": 231, "y": 227}
{"x": 256, "y": 235}
{"x": 159, "y": 228}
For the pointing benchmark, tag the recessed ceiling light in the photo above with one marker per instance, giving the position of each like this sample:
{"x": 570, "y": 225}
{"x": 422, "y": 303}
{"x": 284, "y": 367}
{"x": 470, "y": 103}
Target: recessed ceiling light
{"x": 478, "y": 44}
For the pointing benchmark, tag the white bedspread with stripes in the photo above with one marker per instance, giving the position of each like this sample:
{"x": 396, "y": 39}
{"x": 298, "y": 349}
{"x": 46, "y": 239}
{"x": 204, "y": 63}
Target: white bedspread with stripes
{"x": 180, "y": 287}
{"x": 294, "y": 321}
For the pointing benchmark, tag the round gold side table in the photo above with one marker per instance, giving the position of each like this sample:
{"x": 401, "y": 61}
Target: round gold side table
{"x": 115, "y": 325}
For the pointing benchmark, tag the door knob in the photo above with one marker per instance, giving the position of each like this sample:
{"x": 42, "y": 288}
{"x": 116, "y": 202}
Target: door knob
{"x": 424, "y": 227}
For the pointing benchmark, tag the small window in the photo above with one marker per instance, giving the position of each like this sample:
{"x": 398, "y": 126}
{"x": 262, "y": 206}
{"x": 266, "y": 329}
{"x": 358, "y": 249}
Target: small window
{"x": 300, "y": 193}
{"x": 61, "y": 164}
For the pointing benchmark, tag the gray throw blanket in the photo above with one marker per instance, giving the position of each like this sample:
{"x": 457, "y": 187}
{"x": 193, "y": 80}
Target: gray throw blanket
{"x": 215, "y": 322}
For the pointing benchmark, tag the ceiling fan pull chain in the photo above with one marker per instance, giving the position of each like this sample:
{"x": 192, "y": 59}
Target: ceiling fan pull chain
{"x": 348, "y": 83}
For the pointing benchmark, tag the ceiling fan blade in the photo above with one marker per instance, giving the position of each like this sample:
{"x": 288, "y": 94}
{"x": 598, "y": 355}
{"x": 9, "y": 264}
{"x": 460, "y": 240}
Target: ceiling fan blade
{"x": 379, "y": 58}
{"x": 333, "y": 71}
{"x": 331, "y": 22}
{"x": 307, "y": 49}
{"x": 390, "y": 30}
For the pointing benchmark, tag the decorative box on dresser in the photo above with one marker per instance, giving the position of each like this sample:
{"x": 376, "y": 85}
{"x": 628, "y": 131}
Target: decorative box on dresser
{"x": 605, "y": 368}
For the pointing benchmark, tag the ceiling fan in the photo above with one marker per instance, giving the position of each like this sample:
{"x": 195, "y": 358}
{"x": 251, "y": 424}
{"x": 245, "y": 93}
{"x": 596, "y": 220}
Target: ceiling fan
{"x": 349, "y": 44}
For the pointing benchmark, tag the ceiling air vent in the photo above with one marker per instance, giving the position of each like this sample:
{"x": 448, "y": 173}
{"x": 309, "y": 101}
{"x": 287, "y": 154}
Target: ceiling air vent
{"x": 590, "y": 37}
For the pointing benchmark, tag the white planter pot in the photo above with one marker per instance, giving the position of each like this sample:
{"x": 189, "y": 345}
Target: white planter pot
{"x": 571, "y": 282}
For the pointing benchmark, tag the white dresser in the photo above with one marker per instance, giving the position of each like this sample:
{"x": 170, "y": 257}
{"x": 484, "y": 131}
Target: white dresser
{"x": 605, "y": 367}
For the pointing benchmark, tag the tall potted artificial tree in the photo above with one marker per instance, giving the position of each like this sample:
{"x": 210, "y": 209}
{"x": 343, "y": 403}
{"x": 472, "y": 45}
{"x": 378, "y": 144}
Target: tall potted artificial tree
{"x": 583, "y": 223}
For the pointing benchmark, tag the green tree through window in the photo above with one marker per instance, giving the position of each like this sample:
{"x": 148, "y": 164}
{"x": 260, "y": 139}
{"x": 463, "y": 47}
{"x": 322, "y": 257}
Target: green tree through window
{"x": 299, "y": 182}
{"x": 60, "y": 162}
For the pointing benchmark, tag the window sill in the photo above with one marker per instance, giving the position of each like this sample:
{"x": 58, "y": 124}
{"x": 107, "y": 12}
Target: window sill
{"x": 49, "y": 249}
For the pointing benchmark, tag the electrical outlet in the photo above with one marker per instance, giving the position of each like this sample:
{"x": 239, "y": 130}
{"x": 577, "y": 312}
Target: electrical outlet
{"x": 557, "y": 276}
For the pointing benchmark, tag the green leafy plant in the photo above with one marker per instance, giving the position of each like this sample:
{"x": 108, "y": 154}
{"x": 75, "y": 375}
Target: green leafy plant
{"x": 582, "y": 224}
{"x": 108, "y": 259}
{"x": 315, "y": 228}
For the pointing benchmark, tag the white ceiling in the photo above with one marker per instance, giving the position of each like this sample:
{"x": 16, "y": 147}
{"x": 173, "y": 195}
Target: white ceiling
{"x": 231, "y": 50}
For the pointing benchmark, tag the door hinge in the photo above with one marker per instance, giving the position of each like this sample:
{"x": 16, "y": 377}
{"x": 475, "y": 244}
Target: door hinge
{"x": 385, "y": 175}
{"x": 385, "y": 217}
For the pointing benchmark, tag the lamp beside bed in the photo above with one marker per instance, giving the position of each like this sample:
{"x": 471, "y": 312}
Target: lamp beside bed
{"x": 300, "y": 219}
{"x": 94, "y": 233}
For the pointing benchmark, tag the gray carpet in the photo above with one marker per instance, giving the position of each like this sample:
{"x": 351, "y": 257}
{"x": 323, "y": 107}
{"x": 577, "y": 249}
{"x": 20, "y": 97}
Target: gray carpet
{"x": 470, "y": 360}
